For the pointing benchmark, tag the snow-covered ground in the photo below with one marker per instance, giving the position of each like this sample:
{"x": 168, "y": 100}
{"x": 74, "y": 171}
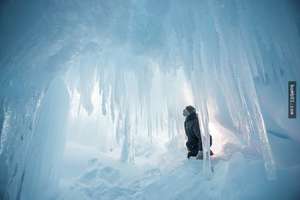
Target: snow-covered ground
{"x": 165, "y": 173}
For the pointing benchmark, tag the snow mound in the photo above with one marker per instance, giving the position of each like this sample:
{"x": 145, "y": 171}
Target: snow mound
{"x": 236, "y": 175}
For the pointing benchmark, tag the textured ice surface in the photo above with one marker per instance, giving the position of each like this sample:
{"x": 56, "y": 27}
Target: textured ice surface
{"x": 65, "y": 64}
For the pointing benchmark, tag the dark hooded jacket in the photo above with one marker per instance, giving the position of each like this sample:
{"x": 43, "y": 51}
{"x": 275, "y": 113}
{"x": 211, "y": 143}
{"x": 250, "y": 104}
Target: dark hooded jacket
{"x": 192, "y": 131}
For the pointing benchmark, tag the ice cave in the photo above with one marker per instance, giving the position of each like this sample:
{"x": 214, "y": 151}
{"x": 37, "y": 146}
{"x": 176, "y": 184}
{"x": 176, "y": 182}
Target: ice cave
{"x": 92, "y": 94}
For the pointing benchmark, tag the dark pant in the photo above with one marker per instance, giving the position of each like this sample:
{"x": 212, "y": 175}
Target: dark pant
{"x": 194, "y": 147}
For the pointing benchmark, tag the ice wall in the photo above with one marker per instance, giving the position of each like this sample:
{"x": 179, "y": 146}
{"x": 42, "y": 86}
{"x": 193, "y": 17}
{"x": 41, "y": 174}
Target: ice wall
{"x": 231, "y": 59}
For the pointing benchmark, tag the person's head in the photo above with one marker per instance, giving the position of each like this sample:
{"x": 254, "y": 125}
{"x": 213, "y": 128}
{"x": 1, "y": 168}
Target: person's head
{"x": 188, "y": 110}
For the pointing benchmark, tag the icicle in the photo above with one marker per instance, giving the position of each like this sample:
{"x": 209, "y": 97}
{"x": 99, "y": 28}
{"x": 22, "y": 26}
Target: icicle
{"x": 5, "y": 129}
{"x": 205, "y": 136}
{"x": 118, "y": 128}
{"x": 149, "y": 128}
{"x": 103, "y": 103}
{"x": 127, "y": 148}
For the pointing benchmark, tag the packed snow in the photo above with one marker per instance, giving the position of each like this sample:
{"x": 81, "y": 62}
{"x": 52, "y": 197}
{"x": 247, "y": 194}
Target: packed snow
{"x": 165, "y": 173}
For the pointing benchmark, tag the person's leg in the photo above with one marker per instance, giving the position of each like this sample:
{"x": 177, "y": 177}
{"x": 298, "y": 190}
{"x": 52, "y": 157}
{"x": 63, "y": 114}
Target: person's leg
{"x": 192, "y": 149}
{"x": 211, "y": 153}
{"x": 192, "y": 154}
{"x": 191, "y": 146}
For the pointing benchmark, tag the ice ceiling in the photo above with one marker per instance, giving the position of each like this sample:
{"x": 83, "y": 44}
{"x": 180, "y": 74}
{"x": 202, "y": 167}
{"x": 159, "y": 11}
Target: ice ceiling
{"x": 139, "y": 63}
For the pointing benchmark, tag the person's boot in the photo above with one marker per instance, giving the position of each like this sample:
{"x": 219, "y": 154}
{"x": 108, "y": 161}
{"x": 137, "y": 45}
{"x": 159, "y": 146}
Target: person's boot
{"x": 191, "y": 154}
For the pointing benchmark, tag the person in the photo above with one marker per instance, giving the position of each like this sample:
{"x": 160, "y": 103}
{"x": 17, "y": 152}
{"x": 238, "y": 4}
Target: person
{"x": 192, "y": 131}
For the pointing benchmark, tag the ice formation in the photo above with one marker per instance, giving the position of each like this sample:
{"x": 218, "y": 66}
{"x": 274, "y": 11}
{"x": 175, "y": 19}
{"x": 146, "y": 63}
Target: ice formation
{"x": 117, "y": 74}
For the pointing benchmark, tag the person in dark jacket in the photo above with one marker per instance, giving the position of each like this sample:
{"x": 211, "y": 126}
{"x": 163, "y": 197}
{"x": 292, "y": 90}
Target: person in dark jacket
{"x": 192, "y": 131}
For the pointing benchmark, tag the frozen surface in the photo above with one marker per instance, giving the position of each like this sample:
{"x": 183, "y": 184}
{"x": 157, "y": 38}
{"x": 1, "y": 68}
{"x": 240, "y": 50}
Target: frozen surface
{"x": 107, "y": 80}
{"x": 168, "y": 175}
